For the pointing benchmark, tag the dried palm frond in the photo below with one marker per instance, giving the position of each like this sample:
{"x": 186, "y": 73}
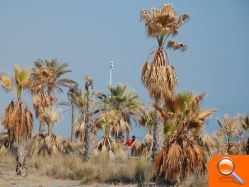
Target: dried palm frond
{"x": 109, "y": 146}
{"x": 162, "y": 22}
{"x": 18, "y": 120}
{"x": 245, "y": 122}
{"x": 181, "y": 157}
{"x": 230, "y": 131}
{"x": 80, "y": 131}
{"x": 159, "y": 76}
{"x": 4, "y": 142}
{"x": 177, "y": 45}
{"x": 195, "y": 105}
{"x": 50, "y": 116}
{"x": 6, "y": 82}
{"x": 41, "y": 101}
{"x": 46, "y": 145}
{"x": 41, "y": 77}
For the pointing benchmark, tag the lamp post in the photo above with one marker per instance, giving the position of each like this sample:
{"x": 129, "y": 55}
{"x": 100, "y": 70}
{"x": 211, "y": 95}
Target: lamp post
{"x": 111, "y": 68}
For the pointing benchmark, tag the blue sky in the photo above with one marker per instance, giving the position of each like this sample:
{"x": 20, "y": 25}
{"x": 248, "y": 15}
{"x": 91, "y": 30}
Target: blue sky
{"x": 89, "y": 34}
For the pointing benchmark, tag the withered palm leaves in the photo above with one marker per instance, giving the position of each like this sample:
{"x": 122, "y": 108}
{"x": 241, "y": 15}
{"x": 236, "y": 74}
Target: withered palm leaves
{"x": 45, "y": 78}
{"x": 185, "y": 106}
{"x": 181, "y": 157}
{"x": 48, "y": 74}
{"x": 184, "y": 151}
{"x": 17, "y": 118}
{"x": 5, "y": 81}
{"x": 159, "y": 76}
{"x": 228, "y": 135}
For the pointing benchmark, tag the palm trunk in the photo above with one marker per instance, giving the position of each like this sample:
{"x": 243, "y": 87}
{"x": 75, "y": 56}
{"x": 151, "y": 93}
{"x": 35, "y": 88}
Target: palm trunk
{"x": 228, "y": 149}
{"x": 50, "y": 129}
{"x": 91, "y": 134}
{"x": 158, "y": 136}
{"x": 42, "y": 127}
{"x": 21, "y": 167}
{"x": 73, "y": 123}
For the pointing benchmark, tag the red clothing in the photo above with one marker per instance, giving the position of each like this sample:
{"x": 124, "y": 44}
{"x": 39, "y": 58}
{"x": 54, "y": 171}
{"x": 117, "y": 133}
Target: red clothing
{"x": 129, "y": 143}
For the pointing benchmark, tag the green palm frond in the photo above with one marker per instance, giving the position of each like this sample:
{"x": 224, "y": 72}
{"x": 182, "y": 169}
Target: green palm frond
{"x": 21, "y": 77}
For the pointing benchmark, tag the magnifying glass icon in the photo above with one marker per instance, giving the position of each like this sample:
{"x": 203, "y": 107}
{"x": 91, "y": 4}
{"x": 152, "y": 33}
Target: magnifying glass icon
{"x": 226, "y": 167}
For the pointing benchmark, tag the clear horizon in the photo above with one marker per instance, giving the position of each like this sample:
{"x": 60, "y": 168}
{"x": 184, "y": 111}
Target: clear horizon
{"x": 88, "y": 35}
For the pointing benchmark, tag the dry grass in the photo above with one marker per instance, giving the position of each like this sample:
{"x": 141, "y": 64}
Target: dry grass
{"x": 97, "y": 169}
{"x": 69, "y": 170}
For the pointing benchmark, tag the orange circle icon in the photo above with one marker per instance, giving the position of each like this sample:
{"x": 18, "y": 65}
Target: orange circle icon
{"x": 226, "y": 166}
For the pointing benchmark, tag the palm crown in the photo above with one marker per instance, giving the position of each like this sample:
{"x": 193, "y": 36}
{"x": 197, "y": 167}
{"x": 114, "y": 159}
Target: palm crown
{"x": 122, "y": 103}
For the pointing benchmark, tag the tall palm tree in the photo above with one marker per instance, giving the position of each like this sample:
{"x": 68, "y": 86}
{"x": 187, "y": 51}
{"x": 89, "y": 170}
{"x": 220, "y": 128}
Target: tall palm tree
{"x": 17, "y": 118}
{"x": 91, "y": 131}
{"x": 184, "y": 151}
{"x": 159, "y": 76}
{"x": 46, "y": 78}
{"x": 125, "y": 103}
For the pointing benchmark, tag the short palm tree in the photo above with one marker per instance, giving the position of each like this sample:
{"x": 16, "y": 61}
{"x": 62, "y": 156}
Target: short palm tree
{"x": 125, "y": 103}
{"x": 109, "y": 121}
{"x": 184, "y": 151}
{"x": 17, "y": 118}
{"x": 159, "y": 76}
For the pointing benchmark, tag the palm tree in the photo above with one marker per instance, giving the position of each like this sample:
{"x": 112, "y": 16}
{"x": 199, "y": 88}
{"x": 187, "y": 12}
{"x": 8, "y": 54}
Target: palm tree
{"x": 125, "y": 103}
{"x": 46, "y": 78}
{"x": 17, "y": 118}
{"x": 78, "y": 100}
{"x": 184, "y": 151}
{"x": 109, "y": 121}
{"x": 159, "y": 76}
{"x": 228, "y": 135}
{"x": 91, "y": 131}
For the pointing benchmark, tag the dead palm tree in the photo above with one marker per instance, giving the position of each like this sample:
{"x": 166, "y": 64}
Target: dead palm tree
{"x": 229, "y": 135}
{"x": 159, "y": 76}
{"x": 91, "y": 131}
{"x": 46, "y": 78}
{"x": 17, "y": 118}
{"x": 184, "y": 151}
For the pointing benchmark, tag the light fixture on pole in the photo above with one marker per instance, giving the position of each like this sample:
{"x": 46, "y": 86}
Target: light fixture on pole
{"x": 111, "y": 66}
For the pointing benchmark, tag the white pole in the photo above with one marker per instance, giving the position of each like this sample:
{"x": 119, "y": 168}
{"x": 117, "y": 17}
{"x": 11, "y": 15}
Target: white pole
{"x": 111, "y": 66}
